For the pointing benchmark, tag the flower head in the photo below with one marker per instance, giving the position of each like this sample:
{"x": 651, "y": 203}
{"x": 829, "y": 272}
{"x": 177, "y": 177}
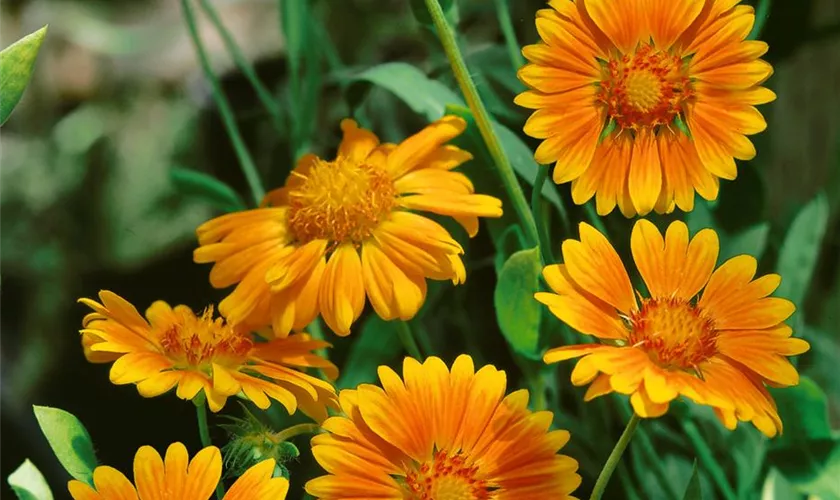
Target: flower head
{"x": 643, "y": 102}
{"x": 718, "y": 349}
{"x": 176, "y": 476}
{"x": 344, "y": 228}
{"x": 175, "y": 347}
{"x": 441, "y": 434}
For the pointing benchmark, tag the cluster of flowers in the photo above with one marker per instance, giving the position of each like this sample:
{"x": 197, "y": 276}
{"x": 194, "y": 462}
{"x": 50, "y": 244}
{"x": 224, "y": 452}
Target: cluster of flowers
{"x": 641, "y": 103}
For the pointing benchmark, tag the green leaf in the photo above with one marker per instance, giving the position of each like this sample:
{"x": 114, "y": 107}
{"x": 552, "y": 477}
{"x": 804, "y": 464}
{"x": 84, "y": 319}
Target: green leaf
{"x": 804, "y": 411}
{"x": 423, "y": 95}
{"x": 69, "y": 441}
{"x": 693, "y": 490}
{"x": 206, "y": 188}
{"x": 16, "y": 64}
{"x": 421, "y": 12}
{"x": 813, "y": 468}
{"x": 509, "y": 242}
{"x": 750, "y": 241}
{"x": 516, "y": 310}
{"x": 776, "y": 487}
{"x": 377, "y": 344}
{"x": 28, "y": 483}
{"x": 800, "y": 250}
{"x": 433, "y": 99}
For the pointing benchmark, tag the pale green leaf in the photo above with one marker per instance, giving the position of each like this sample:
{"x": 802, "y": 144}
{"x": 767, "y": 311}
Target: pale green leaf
{"x": 517, "y": 312}
{"x": 28, "y": 483}
{"x": 16, "y": 64}
{"x": 69, "y": 441}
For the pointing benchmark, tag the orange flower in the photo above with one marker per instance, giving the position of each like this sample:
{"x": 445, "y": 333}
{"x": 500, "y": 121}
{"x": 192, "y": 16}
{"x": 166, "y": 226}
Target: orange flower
{"x": 643, "y": 102}
{"x": 719, "y": 349}
{"x": 340, "y": 229}
{"x": 178, "y": 477}
{"x": 175, "y": 347}
{"x": 441, "y": 434}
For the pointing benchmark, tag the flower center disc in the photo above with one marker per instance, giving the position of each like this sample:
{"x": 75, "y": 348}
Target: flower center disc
{"x": 340, "y": 201}
{"x": 645, "y": 89}
{"x": 673, "y": 333}
{"x": 198, "y": 341}
{"x": 446, "y": 477}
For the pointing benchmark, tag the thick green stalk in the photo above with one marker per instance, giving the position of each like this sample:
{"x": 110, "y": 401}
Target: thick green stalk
{"x": 245, "y": 161}
{"x": 204, "y": 434}
{"x": 296, "y": 430}
{"x": 243, "y": 64}
{"x": 407, "y": 339}
{"x": 614, "y": 458}
{"x": 482, "y": 119}
{"x": 536, "y": 209}
{"x": 503, "y": 11}
{"x": 707, "y": 460}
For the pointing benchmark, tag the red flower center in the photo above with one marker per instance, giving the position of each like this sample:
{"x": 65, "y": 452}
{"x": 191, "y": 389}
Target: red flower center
{"x": 645, "y": 89}
{"x": 446, "y": 477}
{"x": 674, "y": 333}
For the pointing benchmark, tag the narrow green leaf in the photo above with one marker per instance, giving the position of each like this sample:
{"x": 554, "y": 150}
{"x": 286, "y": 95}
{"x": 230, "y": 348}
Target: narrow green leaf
{"x": 762, "y": 12}
{"x": 693, "y": 490}
{"x": 377, "y": 344}
{"x": 16, "y": 64}
{"x": 517, "y": 312}
{"x": 800, "y": 250}
{"x": 28, "y": 483}
{"x": 207, "y": 189}
{"x": 69, "y": 441}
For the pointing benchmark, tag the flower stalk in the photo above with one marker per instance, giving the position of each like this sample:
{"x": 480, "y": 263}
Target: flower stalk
{"x": 482, "y": 119}
{"x": 615, "y": 458}
{"x": 245, "y": 161}
{"x": 204, "y": 435}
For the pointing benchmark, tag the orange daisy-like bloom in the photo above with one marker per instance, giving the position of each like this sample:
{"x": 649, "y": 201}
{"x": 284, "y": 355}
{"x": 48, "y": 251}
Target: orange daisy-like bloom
{"x": 441, "y": 434}
{"x": 643, "y": 102}
{"x": 340, "y": 229}
{"x": 178, "y": 477}
{"x": 719, "y": 349}
{"x": 175, "y": 347}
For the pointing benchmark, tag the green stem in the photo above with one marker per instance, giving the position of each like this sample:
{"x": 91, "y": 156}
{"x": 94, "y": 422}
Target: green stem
{"x": 503, "y": 11}
{"x": 482, "y": 119}
{"x": 762, "y": 12}
{"x": 245, "y": 161}
{"x": 244, "y": 65}
{"x": 536, "y": 209}
{"x": 707, "y": 460}
{"x": 407, "y": 339}
{"x": 614, "y": 458}
{"x": 594, "y": 218}
{"x": 204, "y": 434}
{"x": 296, "y": 430}
{"x": 649, "y": 452}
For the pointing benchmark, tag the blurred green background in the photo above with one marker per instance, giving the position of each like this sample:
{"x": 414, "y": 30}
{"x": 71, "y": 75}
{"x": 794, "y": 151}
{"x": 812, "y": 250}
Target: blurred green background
{"x": 118, "y": 100}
